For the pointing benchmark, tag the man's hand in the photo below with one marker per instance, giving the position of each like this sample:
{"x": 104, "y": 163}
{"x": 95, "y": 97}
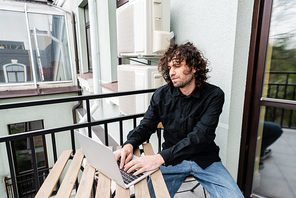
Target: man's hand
{"x": 126, "y": 154}
{"x": 144, "y": 163}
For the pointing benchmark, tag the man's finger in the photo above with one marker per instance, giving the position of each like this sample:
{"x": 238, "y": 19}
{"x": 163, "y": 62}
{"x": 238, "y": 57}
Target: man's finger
{"x": 139, "y": 171}
{"x": 128, "y": 158}
{"x": 127, "y": 166}
{"x": 117, "y": 155}
{"x": 122, "y": 160}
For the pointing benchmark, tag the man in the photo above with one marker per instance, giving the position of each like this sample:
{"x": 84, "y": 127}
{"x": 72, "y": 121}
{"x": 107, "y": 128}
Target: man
{"x": 189, "y": 109}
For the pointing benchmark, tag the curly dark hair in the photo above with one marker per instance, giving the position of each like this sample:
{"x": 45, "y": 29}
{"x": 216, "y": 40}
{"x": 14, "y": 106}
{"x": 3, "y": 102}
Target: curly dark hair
{"x": 193, "y": 58}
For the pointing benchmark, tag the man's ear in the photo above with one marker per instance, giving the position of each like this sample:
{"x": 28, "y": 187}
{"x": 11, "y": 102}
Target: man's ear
{"x": 194, "y": 70}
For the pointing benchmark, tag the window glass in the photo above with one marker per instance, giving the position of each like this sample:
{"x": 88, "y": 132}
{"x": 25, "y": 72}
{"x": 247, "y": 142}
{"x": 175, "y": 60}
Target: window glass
{"x": 15, "y": 63}
{"x": 274, "y": 174}
{"x": 50, "y": 51}
{"x": 50, "y": 47}
{"x": 280, "y": 70}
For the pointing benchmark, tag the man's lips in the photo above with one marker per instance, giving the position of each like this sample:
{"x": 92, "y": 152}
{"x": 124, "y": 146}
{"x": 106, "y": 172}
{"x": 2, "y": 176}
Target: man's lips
{"x": 174, "y": 78}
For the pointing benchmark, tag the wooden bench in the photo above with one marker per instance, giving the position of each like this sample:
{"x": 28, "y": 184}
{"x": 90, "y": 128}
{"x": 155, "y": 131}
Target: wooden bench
{"x": 103, "y": 188}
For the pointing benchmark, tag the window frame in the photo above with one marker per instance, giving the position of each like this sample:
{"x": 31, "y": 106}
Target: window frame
{"x": 27, "y": 8}
{"x": 87, "y": 29}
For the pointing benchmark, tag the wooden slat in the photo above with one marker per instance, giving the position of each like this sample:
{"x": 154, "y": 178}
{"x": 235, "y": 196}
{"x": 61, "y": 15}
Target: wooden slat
{"x": 104, "y": 184}
{"x": 71, "y": 175}
{"x": 141, "y": 188}
{"x": 86, "y": 182}
{"x": 160, "y": 125}
{"x": 103, "y": 187}
{"x": 121, "y": 192}
{"x": 158, "y": 182}
{"x": 54, "y": 175}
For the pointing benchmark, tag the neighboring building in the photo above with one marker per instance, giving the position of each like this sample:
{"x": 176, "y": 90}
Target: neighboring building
{"x": 47, "y": 55}
{"x": 37, "y": 66}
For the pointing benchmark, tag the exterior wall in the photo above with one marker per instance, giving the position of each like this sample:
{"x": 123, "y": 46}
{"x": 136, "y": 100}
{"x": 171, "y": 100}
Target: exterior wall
{"x": 106, "y": 22}
{"x": 221, "y": 30}
{"x": 52, "y": 116}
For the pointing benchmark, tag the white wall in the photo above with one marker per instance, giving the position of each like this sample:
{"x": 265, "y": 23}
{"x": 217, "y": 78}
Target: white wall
{"x": 221, "y": 30}
{"x": 241, "y": 52}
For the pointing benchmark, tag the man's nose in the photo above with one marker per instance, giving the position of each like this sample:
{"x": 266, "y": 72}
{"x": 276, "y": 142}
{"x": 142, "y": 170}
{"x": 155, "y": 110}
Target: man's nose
{"x": 172, "y": 71}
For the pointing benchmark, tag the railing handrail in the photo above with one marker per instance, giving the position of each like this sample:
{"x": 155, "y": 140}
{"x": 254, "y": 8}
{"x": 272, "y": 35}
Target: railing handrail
{"x": 70, "y": 99}
{"x": 282, "y": 72}
{"x": 29, "y": 134}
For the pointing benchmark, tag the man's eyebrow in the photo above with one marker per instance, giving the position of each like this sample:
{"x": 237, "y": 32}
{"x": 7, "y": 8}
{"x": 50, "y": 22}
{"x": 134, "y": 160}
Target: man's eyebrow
{"x": 176, "y": 61}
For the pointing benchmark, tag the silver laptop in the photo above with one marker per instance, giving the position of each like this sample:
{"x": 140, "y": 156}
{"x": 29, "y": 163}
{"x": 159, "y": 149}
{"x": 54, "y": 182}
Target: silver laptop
{"x": 102, "y": 158}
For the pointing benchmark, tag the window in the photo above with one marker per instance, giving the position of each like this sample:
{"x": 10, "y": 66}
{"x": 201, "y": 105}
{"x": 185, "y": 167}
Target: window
{"x": 23, "y": 161}
{"x": 34, "y": 48}
{"x": 15, "y": 72}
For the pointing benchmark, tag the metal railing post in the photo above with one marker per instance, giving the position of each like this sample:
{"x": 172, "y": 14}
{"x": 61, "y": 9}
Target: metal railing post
{"x": 106, "y": 134}
{"x": 88, "y": 117}
{"x": 54, "y": 148}
{"x": 13, "y": 178}
{"x": 73, "y": 141}
{"x": 121, "y": 132}
{"x": 37, "y": 184}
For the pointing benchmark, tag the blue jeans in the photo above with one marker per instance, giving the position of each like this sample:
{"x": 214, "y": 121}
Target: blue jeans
{"x": 215, "y": 179}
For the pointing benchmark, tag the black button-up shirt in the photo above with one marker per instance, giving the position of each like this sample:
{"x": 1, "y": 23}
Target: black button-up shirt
{"x": 189, "y": 124}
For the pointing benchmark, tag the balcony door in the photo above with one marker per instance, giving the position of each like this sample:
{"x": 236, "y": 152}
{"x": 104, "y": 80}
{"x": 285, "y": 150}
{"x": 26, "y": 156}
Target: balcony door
{"x": 23, "y": 159}
{"x": 268, "y": 152}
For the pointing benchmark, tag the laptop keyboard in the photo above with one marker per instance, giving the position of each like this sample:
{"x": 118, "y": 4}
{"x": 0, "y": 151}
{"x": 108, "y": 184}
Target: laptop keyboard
{"x": 128, "y": 177}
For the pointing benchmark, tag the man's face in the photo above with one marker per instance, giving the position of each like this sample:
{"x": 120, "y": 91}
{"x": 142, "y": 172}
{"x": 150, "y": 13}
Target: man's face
{"x": 180, "y": 75}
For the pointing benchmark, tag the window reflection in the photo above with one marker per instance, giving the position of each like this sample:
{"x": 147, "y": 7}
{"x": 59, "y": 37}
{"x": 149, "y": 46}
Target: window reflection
{"x": 50, "y": 46}
{"x": 48, "y": 36}
{"x": 280, "y": 74}
{"x": 14, "y": 48}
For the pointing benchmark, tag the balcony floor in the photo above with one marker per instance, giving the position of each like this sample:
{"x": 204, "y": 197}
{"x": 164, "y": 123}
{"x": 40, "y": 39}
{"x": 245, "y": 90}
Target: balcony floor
{"x": 277, "y": 178}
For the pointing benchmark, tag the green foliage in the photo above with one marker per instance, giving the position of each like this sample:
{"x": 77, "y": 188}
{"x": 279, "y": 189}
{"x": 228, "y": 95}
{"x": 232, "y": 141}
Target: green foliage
{"x": 282, "y": 85}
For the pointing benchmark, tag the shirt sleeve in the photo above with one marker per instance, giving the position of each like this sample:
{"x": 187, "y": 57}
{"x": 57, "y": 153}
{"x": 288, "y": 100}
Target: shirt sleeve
{"x": 147, "y": 126}
{"x": 202, "y": 134}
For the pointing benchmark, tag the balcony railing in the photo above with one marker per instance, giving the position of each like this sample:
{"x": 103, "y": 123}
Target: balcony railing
{"x": 282, "y": 86}
{"x": 36, "y": 182}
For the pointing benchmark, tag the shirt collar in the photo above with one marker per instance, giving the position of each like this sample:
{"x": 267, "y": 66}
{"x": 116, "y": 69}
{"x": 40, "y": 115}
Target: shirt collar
{"x": 177, "y": 92}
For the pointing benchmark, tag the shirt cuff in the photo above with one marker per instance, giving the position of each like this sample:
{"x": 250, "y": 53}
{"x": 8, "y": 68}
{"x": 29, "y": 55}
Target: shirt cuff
{"x": 167, "y": 156}
{"x": 132, "y": 143}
